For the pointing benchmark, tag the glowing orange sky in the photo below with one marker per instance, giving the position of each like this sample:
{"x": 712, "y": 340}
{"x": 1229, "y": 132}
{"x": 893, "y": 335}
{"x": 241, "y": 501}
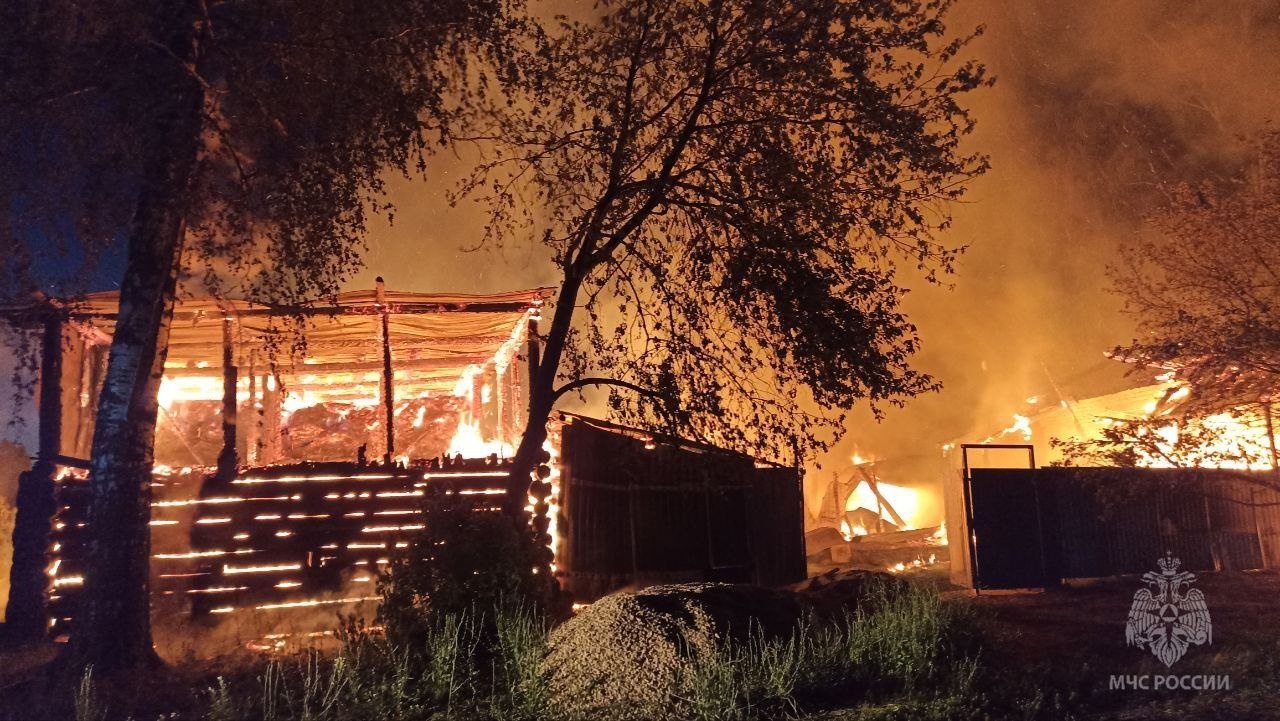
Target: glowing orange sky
{"x": 1096, "y": 104}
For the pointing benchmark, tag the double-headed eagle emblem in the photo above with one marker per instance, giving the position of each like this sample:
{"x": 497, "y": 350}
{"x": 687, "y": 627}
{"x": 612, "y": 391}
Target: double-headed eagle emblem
{"x": 1167, "y": 617}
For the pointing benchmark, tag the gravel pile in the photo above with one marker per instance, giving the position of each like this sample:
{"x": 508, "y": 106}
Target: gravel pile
{"x": 627, "y": 656}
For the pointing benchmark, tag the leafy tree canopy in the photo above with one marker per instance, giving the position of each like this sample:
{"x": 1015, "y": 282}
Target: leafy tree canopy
{"x": 730, "y": 188}
{"x": 305, "y": 104}
{"x": 1204, "y": 287}
{"x": 241, "y": 145}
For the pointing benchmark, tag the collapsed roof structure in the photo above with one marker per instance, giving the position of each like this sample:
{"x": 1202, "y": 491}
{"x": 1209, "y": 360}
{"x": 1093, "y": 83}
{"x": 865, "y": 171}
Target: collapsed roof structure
{"x": 295, "y": 447}
{"x": 332, "y": 372}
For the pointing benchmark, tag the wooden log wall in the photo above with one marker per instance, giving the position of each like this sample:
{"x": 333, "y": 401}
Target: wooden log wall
{"x": 273, "y": 540}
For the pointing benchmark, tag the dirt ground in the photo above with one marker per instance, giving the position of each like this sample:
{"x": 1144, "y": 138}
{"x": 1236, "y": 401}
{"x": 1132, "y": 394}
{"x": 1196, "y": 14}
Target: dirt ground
{"x": 1072, "y": 639}
{"x": 1086, "y": 620}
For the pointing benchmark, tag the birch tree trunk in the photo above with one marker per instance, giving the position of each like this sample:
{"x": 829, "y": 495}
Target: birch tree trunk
{"x": 113, "y": 627}
{"x": 542, "y": 398}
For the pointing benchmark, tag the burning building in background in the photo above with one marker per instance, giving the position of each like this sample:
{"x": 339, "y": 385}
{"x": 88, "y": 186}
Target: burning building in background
{"x": 293, "y": 445}
{"x": 404, "y": 375}
{"x": 1024, "y": 512}
{"x": 1110, "y": 393}
{"x": 296, "y": 446}
{"x": 898, "y": 513}
{"x": 877, "y": 515}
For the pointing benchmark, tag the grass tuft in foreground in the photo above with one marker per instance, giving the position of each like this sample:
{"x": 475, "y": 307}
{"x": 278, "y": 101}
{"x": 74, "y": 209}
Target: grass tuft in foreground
{"x": 903, "y": 647}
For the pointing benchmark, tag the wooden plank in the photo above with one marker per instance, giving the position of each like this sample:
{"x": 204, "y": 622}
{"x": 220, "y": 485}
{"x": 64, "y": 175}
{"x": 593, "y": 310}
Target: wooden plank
{"x": 457, "y": 362}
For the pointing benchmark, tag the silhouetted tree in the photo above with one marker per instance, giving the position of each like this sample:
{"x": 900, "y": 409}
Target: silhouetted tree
{"x": 1204, "y": 287}
{"x": 728, "y": 188}
{"x": 237, "y": 145}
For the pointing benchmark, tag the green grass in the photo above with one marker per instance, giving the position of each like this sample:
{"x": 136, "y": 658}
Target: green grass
{"x": 519, "y": 691}
{"x": 87, "y": 705}
{"x": 466, "y": 668}
{"x": 903, "y": 654}
{"x": 903, "y": 648}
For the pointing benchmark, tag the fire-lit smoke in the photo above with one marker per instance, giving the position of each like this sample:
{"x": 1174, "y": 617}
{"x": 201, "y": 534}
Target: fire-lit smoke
{"x": 1099, "y": 107}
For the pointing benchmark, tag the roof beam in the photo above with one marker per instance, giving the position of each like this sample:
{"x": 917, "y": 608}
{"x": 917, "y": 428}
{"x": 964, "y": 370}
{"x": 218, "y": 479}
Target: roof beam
{"x": 458, "y": 364}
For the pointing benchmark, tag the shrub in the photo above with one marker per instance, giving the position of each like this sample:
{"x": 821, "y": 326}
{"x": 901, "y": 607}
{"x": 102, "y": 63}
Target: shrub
{"x": 902, "y": 654}
{"x": 462, "y": 562}
{"x": 372, "y": 678}
{"x": 448, "y": 669}
{"x": 908, "y": 639}
{"x": 901, "y": 646}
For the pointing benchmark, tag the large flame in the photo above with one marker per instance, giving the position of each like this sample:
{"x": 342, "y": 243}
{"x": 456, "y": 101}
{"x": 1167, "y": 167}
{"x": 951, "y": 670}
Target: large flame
{"x": 553, "y": 500}
{"x": 1021, "y": 426}
{"x": 342, "y": 392}
{"x": 906, "y": 501}
{"x": 469, "y": 443}
{"x": 850, "y": 532}
{"x": 1239, "y": 445}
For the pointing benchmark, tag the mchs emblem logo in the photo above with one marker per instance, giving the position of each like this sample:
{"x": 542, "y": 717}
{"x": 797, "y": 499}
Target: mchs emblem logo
{"x": 1167, "y": 617}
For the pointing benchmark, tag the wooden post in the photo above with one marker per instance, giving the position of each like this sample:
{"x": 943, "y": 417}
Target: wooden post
{"x": 1214, "y": 551}
{"x": 516, "y": 423}
{"x": 228, "y": 459}
{"x": 269, "y": 436}
{"x": 477, "y": 404}
{"x": 871, "y": 484}
{"x": 631, "y": 528}
{"x": 1257, "y": 527}
{"x": 1271, "y": 436}
{"x": 252, "y": 450}
{"x": 500, "y": 404}
{"x": 96, "y": 366}
{"x": 388, "y": 386}
{"x": 25, "y": 616}
{"x": 51, "y": 391}
{"x": 535, "y": 356}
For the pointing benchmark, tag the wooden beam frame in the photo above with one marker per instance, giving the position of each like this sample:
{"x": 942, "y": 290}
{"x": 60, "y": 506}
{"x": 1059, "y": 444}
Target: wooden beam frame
{"x": 388, "y": 375}
{"x": 358, "y": 367}
{"x": 228, "y": 459}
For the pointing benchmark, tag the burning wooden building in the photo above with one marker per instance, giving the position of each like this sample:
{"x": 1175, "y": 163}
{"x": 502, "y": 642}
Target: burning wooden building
{"x": 1022, "y": 519}
{"x": 867, "y": 521}
{"x": 295, "y": 446}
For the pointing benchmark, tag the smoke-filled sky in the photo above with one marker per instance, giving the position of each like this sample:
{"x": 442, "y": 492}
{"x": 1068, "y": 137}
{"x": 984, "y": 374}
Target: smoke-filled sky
{"x": 1099, "y": 105}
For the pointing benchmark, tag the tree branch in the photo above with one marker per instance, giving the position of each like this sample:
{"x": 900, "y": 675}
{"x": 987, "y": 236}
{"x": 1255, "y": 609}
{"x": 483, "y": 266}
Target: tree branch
{"x": 599, "y": 381}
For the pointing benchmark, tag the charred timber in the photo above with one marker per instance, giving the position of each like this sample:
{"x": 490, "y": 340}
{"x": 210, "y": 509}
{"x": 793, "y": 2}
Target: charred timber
{"x": 327, "y": 368}
{"x": 303, "y": 311}
{"x": 228, "y": 459}
{"x": 25, "y": 612}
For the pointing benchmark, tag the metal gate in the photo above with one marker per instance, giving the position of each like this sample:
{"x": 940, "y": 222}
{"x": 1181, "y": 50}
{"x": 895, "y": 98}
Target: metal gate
{"x": 1029, "y": 528}
{"x": 1007, "y": 538}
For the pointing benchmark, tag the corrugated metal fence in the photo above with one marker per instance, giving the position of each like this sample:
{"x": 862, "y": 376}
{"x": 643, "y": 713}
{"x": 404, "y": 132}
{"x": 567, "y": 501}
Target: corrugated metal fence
{"x": 1095, "y": 522}
{"x": 638, "y": 511}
